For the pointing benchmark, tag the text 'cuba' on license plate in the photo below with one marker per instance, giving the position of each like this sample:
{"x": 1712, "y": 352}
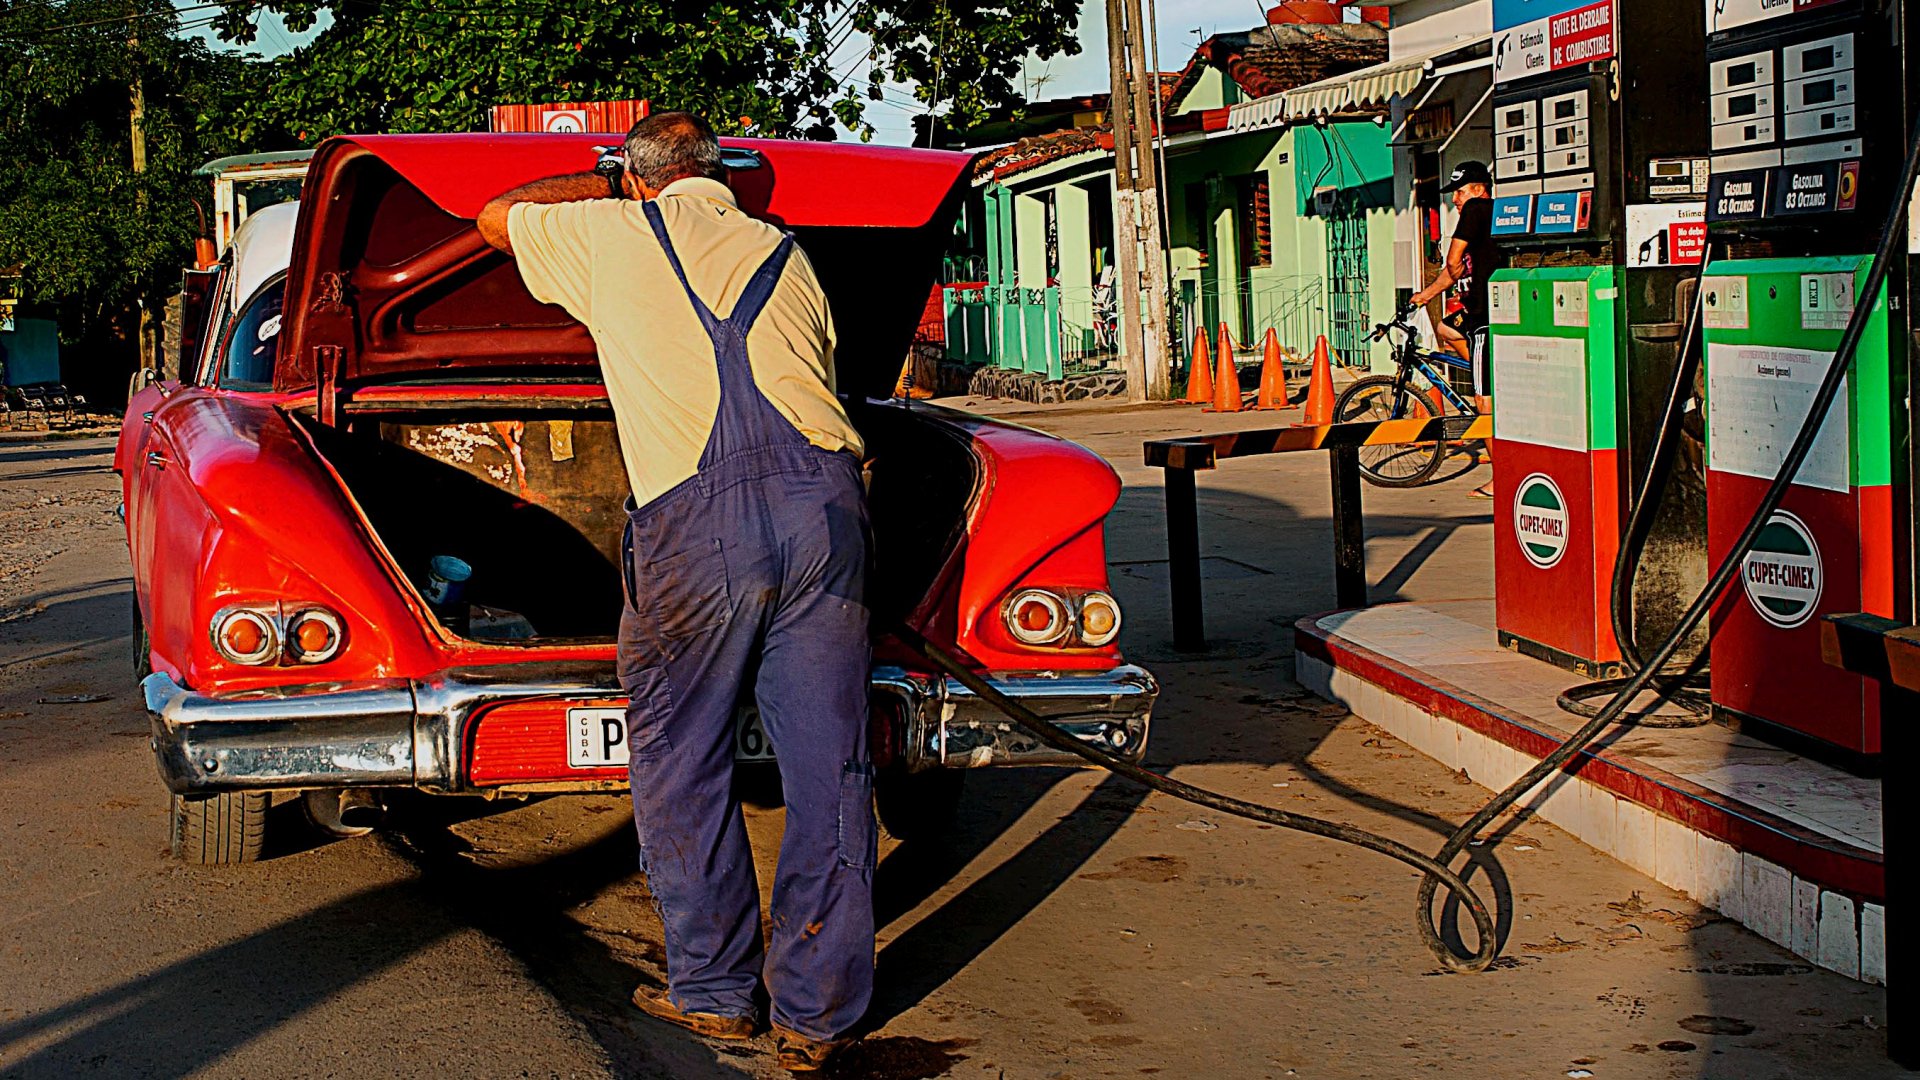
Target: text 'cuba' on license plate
{"x": 597, "y": 737}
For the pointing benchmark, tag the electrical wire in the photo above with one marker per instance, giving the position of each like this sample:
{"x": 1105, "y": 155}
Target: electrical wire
{"x": 42, "y": 31}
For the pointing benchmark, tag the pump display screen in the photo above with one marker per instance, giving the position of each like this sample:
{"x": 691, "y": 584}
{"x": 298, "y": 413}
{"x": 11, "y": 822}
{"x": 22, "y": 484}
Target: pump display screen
{"x": 1785, "y": 128}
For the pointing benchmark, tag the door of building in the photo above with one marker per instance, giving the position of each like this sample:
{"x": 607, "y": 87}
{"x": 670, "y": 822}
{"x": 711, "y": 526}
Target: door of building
{"x": 1347, "y": 283}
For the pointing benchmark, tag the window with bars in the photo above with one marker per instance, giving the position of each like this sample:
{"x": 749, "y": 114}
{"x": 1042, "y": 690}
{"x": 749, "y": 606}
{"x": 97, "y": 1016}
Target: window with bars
{"x": 1255, "y": 226}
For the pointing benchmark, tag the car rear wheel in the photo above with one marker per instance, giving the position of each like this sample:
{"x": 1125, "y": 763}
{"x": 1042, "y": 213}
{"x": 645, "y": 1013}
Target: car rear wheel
{"x": 918, "y": 808}
{"x": 219, "y": 830}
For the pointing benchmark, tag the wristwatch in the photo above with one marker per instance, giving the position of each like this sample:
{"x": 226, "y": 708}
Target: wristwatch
{"x": 612, "y": 164}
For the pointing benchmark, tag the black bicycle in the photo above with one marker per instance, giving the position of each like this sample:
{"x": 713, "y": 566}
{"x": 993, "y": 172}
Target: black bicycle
{"x": 1400, "y": 396}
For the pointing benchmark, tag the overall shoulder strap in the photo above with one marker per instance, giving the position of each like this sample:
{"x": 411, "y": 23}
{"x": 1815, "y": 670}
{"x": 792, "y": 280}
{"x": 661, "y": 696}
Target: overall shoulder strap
{"x": 760, "y": 287}
{"x": 659, "y": 225}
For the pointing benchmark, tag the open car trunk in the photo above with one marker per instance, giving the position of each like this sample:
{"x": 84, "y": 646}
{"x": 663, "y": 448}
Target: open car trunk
{"x": 531, "y": 499}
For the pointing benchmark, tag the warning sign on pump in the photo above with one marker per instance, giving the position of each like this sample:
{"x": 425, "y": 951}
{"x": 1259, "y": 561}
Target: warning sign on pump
{"x": 1725, "y": 302}
{"x": 1757, "y": 398}
{"x": 1826, "y": 301}
{"x": 1666, "y": 234}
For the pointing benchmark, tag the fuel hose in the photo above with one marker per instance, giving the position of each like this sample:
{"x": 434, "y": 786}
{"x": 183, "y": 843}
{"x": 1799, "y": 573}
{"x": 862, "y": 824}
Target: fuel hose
{"x": 1436, "y": 870}
{"x": 1053, "y": 736}
{"x": 1686, "y": 687}
{"x": 1645, "y": 678}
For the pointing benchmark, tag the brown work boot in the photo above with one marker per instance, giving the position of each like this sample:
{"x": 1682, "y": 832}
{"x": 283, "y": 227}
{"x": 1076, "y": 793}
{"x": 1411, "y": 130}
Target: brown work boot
{"x": 801, "y": 1053}
{"x": 657, "y": 1004}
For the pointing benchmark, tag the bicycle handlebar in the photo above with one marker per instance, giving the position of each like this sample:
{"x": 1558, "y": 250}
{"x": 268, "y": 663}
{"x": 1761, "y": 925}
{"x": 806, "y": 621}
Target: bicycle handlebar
{"x": 1399, "y": 323}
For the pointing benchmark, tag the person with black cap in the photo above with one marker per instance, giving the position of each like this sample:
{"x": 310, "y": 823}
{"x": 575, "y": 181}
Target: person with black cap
{"x": 1470, "y": 261}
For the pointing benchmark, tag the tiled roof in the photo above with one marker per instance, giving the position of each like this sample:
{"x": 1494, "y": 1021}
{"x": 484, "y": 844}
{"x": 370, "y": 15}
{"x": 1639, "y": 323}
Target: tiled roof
{"x": 1272, "y": 59}
{"x": 1038, "y": 150}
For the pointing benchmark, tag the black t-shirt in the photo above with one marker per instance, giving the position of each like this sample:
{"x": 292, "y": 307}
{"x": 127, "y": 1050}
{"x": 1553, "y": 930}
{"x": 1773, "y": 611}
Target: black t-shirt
{"x": 1475, "y": 229}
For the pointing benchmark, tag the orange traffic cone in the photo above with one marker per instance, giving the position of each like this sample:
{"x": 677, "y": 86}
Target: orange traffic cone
{"x": 1273, "y": 376}
{"x": 1226, "y": 377}
{"x": 1199, "y": 372}
{"x": 1320, "y": 390}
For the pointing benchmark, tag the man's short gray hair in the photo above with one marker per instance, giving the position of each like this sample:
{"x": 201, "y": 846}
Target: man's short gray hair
{"x": 671, "y": 146}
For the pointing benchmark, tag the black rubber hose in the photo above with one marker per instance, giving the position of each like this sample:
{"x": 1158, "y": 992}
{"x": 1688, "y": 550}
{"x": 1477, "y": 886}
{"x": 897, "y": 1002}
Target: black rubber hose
{"x": 1659, "y": 462}
{"x": 1436, "y": 870}
{"x": 1686, "y": 689}
{"x": 939, "y": 659}
{"x": 1890, "y": 235}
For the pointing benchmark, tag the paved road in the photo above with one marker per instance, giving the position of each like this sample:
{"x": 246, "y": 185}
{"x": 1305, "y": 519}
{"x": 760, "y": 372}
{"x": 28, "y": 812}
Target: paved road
{"x": 1074, "y": 928}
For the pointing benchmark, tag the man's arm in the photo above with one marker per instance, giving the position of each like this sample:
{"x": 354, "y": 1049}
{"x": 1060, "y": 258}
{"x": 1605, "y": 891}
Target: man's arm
{"x": 1454, "y": 270}
{"x": 577, "y": 187}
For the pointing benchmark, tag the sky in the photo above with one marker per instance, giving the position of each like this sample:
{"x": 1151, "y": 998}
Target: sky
{"x": 1182, "y": 24}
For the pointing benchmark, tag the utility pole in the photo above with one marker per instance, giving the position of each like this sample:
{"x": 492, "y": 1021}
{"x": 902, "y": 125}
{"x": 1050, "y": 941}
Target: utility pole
{"x": 137, "y": 132}
{"x": 1139, "y": 253}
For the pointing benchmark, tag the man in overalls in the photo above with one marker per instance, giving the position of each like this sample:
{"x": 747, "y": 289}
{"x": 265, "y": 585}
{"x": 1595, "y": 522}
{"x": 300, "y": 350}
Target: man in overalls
{"x": 745, "y": 561}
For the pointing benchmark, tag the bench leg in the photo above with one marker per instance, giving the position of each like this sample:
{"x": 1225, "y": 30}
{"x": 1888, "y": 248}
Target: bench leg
{"x": 1183, "y": 561}
{"x": 1349, "y": 530}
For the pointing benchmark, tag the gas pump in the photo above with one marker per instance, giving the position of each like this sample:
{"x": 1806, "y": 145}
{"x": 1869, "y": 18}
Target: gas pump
{"x": 1599, "y": 212}
{"x": 1809, "y": 119}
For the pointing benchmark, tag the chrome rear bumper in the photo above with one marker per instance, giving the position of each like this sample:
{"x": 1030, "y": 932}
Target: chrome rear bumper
{"x": 413, "y": 733}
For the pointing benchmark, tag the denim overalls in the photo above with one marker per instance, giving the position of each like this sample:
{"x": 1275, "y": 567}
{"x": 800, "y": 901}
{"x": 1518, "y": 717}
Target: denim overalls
{"x": 752, "y": 574}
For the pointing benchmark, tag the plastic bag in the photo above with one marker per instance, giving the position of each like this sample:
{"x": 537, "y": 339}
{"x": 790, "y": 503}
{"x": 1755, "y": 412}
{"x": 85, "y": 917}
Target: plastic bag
{"x": 1422, "y": 324}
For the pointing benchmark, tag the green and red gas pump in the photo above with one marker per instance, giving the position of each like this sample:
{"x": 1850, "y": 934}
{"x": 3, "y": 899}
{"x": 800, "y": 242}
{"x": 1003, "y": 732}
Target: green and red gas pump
{"x": 1809, "y": 122}
{"x": 1598, "y": 210}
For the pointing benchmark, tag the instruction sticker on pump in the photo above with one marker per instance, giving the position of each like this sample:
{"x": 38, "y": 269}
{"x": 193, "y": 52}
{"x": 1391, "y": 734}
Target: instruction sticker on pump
{"x": 1826, "y": 301}
{"x": 1725, "y": 301}
{"x": 1569, "y": 303}
{"x": 1503, "y": 303}
{"x": 1757, "y": 398}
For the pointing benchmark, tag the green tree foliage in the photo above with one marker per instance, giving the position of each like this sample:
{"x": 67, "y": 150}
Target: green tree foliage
{"x": 438, "y": 65}
{"x": 94, "y": 239}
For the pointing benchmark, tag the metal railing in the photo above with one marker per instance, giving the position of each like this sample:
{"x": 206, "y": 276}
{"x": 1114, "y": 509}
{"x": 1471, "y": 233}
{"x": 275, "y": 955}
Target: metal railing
{"x": 1295, "y": 308}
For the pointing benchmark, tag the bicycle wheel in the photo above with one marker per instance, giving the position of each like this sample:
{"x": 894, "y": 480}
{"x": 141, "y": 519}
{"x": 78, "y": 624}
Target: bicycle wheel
{"x": 1395, "y": 466}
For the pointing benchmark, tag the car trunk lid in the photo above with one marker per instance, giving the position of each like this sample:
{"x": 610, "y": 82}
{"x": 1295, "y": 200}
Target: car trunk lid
{"x": 390, "y": 282}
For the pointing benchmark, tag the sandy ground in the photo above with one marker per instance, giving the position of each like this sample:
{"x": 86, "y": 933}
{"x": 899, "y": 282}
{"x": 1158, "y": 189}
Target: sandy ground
{"x": 1072, "y": 928}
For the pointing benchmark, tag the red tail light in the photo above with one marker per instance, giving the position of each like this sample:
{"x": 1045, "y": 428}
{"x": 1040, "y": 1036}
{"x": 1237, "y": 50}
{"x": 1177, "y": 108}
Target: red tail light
{"x": 266, "y": 634}
{"x": 1066, "y": 619}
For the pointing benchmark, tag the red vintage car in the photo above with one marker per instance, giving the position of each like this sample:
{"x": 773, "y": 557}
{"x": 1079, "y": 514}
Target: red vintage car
{"x": 376, "y": 396}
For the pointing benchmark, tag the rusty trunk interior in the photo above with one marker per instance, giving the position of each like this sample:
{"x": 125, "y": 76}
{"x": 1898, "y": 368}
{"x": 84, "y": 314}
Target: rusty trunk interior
{"x": 531, "y": 498}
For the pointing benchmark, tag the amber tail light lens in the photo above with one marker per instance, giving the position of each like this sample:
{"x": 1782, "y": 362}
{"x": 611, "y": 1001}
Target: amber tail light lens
{"x": 1037, "y": 617}
{"x": 244, "y": 636}
{"x": 1099, "y": 619}
{"x": 313, "y": 636}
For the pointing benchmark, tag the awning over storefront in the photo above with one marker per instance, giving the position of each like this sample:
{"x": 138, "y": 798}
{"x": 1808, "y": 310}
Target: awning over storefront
{"x": 1367, "y": 89}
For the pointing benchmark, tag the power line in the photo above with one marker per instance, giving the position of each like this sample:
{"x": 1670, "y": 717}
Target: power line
{"x": 40, "y": 31}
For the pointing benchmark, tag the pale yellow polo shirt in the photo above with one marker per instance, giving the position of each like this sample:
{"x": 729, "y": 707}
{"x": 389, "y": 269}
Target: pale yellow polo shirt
{"x": 599, "y": 260}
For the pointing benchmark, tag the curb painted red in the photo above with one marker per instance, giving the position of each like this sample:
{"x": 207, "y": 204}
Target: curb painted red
{"x": 1832, "y": 864}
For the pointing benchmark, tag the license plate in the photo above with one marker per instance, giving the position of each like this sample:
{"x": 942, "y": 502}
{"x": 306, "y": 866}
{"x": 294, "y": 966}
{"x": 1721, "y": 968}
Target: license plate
{"x": 597, "y": 737}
